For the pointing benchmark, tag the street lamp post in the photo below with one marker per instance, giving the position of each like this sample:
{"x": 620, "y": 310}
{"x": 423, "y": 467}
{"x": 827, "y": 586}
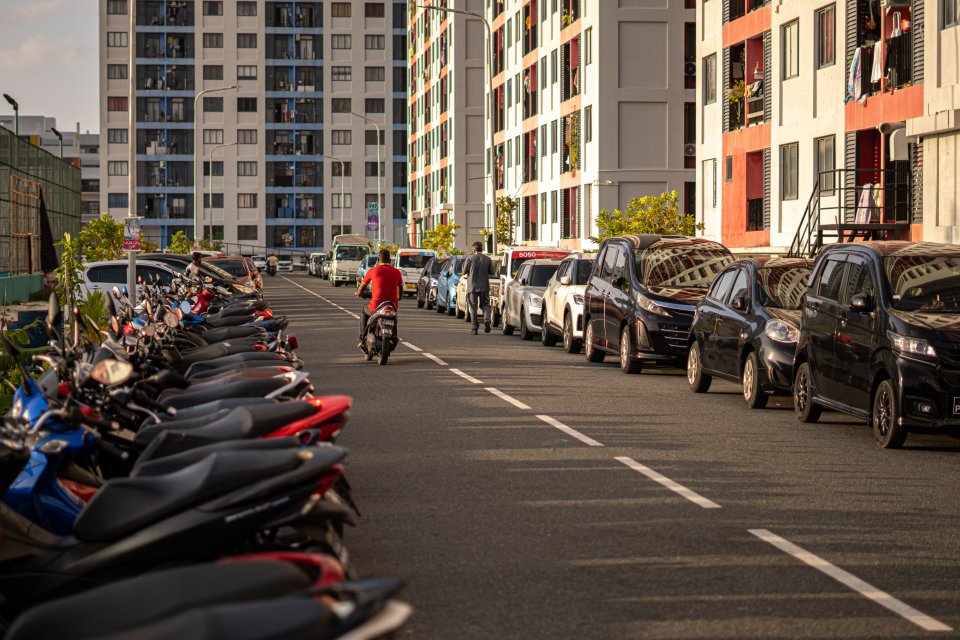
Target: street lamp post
{"x": 210, "y": 193}
{"x": 341, "y": 186}
{"x": 16, "y": 113}
{"x": 379, "y": 192}
{"x": 197, "y": 176}
{"x": 60, "y": 138}
{"x": 493, "y": 106}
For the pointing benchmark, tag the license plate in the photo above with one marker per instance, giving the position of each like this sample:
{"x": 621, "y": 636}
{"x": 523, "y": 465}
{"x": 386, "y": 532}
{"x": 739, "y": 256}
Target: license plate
{"x": 409, "y": 286}
{"x": 386, "y": 332}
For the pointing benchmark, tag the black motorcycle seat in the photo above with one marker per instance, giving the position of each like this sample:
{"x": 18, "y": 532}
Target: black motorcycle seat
{"x": 247, "y": 422}
{"x": 189, "y": 422}
{"x": 121, "y": 605}
{"x": 238, "y": 309}
{"x": 253, "y": 365}
{"x": 229, "y": 333}
{"x": 176, "y": 461}
{"x": 127, "y": 504}
{"x": 257, "y": 387}
{"x": 246, "y": 356}
{"x": 231, "y": 321}
{"x": 214, "y": 406}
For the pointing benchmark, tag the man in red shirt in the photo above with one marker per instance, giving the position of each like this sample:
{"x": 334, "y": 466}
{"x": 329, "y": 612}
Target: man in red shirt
{"x": 386, "y": 285}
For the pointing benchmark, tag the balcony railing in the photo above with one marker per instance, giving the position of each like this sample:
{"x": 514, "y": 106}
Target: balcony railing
{"x": 899, "y": 60}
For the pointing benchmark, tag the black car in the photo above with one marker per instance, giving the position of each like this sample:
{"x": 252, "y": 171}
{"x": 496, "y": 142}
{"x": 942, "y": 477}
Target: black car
{"x": 746, "y": 327}
{"x": 880, "y": 337}
{"x": 426, "y": 283}
{"x": 641, "y": 295}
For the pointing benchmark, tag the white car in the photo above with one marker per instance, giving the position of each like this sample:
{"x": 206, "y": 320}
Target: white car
{"x": 285, "y": 265}
{"x": 523, "y": 297}
{"x": 103, "y": 276}
{"x": 510, "y": 261}
{"x": 563, "y": 302}
{"x": 260, "y": 262}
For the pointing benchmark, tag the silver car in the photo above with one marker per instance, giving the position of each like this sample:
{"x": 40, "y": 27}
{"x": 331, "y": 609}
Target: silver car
{"x": 523, "y": 297}
{"x": 563, "y": 302}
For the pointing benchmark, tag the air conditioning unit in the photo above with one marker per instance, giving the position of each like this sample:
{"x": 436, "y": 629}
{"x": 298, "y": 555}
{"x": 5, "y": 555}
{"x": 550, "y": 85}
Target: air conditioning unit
{"x": 690, "y": 69}
{"x": 690, "y": 150}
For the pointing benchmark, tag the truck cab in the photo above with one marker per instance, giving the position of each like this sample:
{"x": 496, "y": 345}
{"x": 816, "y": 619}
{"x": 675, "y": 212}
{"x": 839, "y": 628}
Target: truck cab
{"x": 345, "y": 258}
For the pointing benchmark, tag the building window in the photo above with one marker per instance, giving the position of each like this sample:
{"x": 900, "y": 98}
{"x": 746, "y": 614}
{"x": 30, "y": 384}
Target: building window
{"x": 553, "y": 67}
{"x": 340, "y": 105}
{"x": 246, "y": 201}
{"x": 340, "y": 41}
{"x": 375, "y": 74}
{"x": 217, "y": 168}
{"x": 246, "y": 136}
{"x": 213, "y": 136}
{"x": 370, "y": 137}
{"x": 116, "y": 136}
{"x": 117, "y": 168}
{"x": 246, "y": 168}
{"x": 213, "y": 8}
{"x": 588, "y": 45}
{"x": 710, "y": 79}
{"x": 213, "y": 72}
{"x": 588, "y": 124}
{"x": 374, "y": 10}
{"x": 213, "y": 41}
{"x": 791, "y": 49}
{"x": 371, "y": 169}
{"x": 825, "y": 157}
{"x": 117, "y": 104}
{"x": 217, "y": 201}
{"x": 826, "y": 37}
{"x": 116, "y": 72}
{"x": 212, "y": 104}
{"x": 247, "y": 72}
{"x": 950, "y": 11}
{"x": 553, "y": 137}
{"x": 340, "y": 9}
{"x": 247, "y": 232}
{"x": 246, "y": 8}
{"x": 343, "y": 73}
{"x": 788, "y": 171}
{"x": 246, "y": 41}
{"x": 116, "y": 38}
{"x": 709, "y": 180}
{"x": 373, "y": 42}
{"x": 347, "y": 201}
{"x": 246, "y": 105}
{"x": 728, "y": 168}
{"x": 117, "y": 200}
{"x": 116, "y": 7}
{"x": 347, "y": 168}
{"x": 374, "y": 105}
{"x": 342, "y": 136}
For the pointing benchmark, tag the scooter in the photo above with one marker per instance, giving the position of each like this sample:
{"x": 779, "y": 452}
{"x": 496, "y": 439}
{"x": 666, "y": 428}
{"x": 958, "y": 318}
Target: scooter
{"x": 380, "y": 336}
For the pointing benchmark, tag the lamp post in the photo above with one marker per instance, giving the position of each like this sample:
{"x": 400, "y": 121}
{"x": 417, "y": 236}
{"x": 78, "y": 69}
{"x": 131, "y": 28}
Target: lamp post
{"x": 493, "y": 106}
{"x": 379, "y": 193}
{"x": 342, "y": 177}
{"x": 210, "y": 193}
{"x": 16, "y": 113}
{"x": 197, "y": 179}
{"x": 60, "y": 138}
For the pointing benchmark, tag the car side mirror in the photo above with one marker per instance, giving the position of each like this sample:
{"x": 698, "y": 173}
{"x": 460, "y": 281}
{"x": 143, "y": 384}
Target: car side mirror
{"x": 565, "y": 280}
{"x": 740, "y": 303}
{"x": 861, "y": 303}
{"x": 523, "y": 281}
{"x": 619, "y": 281}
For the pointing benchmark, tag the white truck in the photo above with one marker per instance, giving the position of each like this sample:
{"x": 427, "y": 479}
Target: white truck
{"x": 411, "y": 262}
{"x": 348, "y": 250}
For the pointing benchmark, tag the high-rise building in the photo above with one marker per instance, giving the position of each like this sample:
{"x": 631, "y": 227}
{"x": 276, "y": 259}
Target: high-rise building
{"x": 594, "y": 106}
{"x": 271, "y": 148}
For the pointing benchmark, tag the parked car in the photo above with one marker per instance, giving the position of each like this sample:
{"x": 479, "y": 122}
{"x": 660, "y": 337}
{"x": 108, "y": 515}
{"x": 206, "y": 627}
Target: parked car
{"x": 103, "y": 276}
{"x": 180, "y": 261}
{"x": 257, "y": 274}
{"x": 261, "y": 262}
{"x": 234, "y": 265}
{"x": 427, "y": 283}
{"x": 463, "y": 302}
{"x": 368, "y": 262}
{"x": 450, "y": 272}
{"x": 315, "y": 263}
{"x": 563, "y": 303}
{"x": 285, "y": 264}
{"x": 410, "y": 262}
{"x": 746, "y": 328}
{"x": 523, "y": 298}
{"x": 641, "y": 295}
{"x": 880, "y": 337}
{"x": 510, "y": 261}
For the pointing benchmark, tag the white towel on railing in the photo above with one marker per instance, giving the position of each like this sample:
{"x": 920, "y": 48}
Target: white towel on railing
{"x": 864, "y": 205}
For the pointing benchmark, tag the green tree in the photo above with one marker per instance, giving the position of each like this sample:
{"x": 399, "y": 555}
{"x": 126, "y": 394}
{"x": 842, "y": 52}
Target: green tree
{"x": 148, "y": 246}
{"x": 506, "y": 207}
{"x": 211, "y": 245}
{"x": 389, "y": 246}
{"x": 101, "y": 239}
{"x": 441, "y": 239}
{"x": 180, "y": 243}
{"x": 70, "y": 271}
{"x": 648, "y": 214}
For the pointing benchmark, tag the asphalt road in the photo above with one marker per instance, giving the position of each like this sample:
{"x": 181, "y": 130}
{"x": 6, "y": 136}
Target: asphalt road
{"x": 573, "y": 501}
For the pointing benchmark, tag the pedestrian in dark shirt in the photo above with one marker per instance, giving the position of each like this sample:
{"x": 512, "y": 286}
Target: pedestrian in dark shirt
{"x": 478, "y": 268}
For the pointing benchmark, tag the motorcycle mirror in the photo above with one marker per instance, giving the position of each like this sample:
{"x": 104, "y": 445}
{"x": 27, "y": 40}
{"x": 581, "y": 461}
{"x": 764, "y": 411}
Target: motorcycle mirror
{"x": 148, "y": 307}
{"x": 150, "y": 330}
{"x": 126, "y": 292}
{"x": 115, "y": 325}
{"x": 111, "y": 306}
{"x": 116, "y": 292}
{"x": 112, "y": 372}
{"x": 186, "y": 307}
{"x": 170, "y": 319}
{"x": 54, "y": 315}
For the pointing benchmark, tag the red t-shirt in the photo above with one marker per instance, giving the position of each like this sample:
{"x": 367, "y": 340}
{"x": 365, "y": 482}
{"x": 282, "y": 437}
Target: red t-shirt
{"x": 385, "y": 282}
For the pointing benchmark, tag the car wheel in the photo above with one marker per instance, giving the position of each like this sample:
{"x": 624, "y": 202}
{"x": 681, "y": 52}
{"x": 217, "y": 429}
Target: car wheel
{"x": 451, "y": 308}
{"x": 570, "y": 344}
{"x": 440, "y": 309}
{"x": 698, "y": 380}
{"x": 547, "y": 338}
{"x": 804, "y": 407}
{"x": 885, "y": 418}
{"x": 497, "y": 316}
{"x": 525, "y": 333}
{"x": 420, "y": 301}
{"x": 505, "y": 326}
{"x": 753, "y": 395}
{"x": 589, "y": 346}
{"x": 628, "y": 364}
{"x": 460, "y": 314}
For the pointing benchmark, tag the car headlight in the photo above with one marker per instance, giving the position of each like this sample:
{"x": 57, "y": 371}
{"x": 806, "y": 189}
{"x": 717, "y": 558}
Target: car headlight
{"x": 577, "y": 299}
{"x": 781, "y": 331}
{"x": 650, "y": 306}
{"x": 911, "y": 346}
{"x": 536, "y": 301}
{"x": 433, "y": 282}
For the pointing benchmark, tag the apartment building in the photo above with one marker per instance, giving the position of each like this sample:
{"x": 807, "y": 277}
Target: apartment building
{"x": 290, "y": 156}
{"x": 809, "y": 119}
{"x": 447, "y": 84}
{"x": 595, "y": 106}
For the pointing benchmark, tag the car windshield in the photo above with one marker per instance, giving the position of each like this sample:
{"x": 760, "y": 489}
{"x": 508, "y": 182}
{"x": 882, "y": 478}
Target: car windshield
{"x": 412, "y": 260}
{"x": 583, "y": 269}
{"x": 351, "y": 253}
{"x": 680, "y": 267}
{"x": 369, "y": 261}
{"x": 541, "y": 273}
{"x": 924, "y": 283}
{"x": 435, "y": 267}
{"x": 782, "y": 287}
{"x": 233, "y": 267}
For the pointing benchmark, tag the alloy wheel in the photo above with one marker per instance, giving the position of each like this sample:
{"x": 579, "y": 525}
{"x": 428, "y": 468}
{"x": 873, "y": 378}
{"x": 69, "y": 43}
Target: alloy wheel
{"x": 748, "y": 378}
{"x": 567, "y": 333}
{"x": 693, "y": 366}
{"x": 882, "y": 412}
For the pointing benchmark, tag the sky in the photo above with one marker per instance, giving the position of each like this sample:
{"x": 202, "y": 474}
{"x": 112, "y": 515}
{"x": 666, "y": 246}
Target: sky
{"x": 49, "y": 60}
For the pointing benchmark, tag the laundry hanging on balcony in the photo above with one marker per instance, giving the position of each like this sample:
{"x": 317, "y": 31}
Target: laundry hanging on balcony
{"x": 854, "y": 83}
{"x": 868, "y": 205}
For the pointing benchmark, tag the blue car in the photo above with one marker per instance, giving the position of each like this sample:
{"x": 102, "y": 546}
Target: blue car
{"x": 369, "y": 262}
{"x": 450, "y": 272}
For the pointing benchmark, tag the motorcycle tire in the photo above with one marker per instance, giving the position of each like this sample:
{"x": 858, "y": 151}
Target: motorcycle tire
{"x": 384, "y": 355}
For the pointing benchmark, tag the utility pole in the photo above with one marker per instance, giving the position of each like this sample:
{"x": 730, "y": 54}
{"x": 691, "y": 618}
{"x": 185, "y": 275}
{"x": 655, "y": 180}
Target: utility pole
{"x": 131, "y": 147}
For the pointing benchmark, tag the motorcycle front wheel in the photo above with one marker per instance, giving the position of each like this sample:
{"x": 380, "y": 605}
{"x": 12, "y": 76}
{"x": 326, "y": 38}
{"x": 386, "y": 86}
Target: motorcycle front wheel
{"x": 384, "y": 354}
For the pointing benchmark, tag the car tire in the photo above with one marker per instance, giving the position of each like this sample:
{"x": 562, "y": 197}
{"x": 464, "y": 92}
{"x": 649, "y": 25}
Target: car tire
{"x": 698, "y": 380}
{"x": 628, "y": 364}
{"x": 451, "y": 308}
{"x": 570, "y": 344}
{"x": 547, "y": 338}
{"x": 806, "y": 410}
{"x": 505, "y": 326}
{"x": 589, "y": 347}
{"x": 440, "y": 309}
{"x": 753, "y": 395}
{"x": 460, "y": 314}
{"x": 525, "y": 333}
{"x": 885, "y": 418}
{"x": 497, "y": 316}
{"x": 420, "y": 301}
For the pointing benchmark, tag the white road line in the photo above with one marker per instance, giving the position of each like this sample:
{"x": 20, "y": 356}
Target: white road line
{"x": 692, "y": 496}
{"x": 847, "y": 579}
{"x": 466, "y": 377}
{"x": 587, "y": 440}
{"x": 434, "y": 358}
{"x": 511, "y": 400}
{"x": 410, "y": 345}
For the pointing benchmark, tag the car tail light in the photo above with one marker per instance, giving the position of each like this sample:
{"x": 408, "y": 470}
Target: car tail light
{"x": 389, "y": 311}
{"x": 259, "y": 347}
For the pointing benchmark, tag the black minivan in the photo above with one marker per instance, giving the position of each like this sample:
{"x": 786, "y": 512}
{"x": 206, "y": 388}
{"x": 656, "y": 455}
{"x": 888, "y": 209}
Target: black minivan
{"x": 880, "y": 337}
{"x": 641, "y": 295}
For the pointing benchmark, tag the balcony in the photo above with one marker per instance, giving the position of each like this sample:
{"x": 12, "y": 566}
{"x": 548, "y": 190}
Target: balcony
{"x": 740, "y": 8}
{"x": 899, "y": 61}
{"x": 755, "y": 214}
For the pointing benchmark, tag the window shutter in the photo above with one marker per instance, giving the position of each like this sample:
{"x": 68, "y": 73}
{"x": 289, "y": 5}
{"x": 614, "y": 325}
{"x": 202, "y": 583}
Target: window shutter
{"x": 917, "y": 25}
{"x": 726, "y": 11}
{"x": 850, "y": 177}
{"x": 851, "y": 31}
{"x": 917, "y": 171}
{"x": 725, "y": 88}
{"x": 576, "y": 194}
{"x": 766, "y": 189}
{"x": 767, "y": 78}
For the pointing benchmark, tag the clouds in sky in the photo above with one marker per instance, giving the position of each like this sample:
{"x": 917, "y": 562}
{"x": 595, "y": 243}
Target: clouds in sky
{"x": 49, "y": 59}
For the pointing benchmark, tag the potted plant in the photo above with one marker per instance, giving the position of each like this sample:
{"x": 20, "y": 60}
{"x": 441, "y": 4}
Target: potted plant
{"x": 736, "y": 95}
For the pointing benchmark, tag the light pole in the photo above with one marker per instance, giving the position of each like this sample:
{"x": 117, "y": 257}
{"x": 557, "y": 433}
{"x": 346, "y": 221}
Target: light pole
{"x": 342, "y": 177}
{"x": 210, "y": 194}
{"x": 379, "y": 193}
{"x": 493, "y": 106}
{"x": 60, "y": 138}
{"x": 16, "y": 113}
{"x": 197, "y": 179}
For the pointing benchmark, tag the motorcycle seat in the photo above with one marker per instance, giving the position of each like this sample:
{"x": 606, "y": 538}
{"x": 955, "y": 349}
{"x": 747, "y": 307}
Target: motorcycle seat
{"x": 180, "y": 422}
{"x": 230, "y": 333}
{"x": 236, "y": 358}
{"x": 214, "y": 406}
{"x": 257, "y": 387}
{"x": 230, "y": 321}
{"x": 176, "y": 461}
{"x": 217, "y": 350}
{"x": 246, "y": 422}
{"x": 126, "y": 504}
{"x": 253, "y": 365}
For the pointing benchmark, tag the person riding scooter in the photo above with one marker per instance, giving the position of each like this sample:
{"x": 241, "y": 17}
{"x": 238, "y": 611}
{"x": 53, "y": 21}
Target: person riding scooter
{"x": 386, "y": 285}
{"x": 272, "y": 262}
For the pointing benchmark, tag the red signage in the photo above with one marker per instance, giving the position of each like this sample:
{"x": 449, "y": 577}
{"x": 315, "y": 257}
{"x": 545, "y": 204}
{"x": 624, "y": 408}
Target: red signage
{"x": 540, "y": 254}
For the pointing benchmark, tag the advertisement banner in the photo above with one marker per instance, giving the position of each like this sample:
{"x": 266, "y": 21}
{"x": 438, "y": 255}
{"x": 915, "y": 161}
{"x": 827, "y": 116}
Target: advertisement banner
{"x": 131, "y": 234}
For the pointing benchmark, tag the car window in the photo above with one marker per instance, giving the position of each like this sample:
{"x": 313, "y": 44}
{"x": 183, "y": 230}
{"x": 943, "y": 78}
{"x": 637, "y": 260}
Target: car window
{"x": 722, "y": 286}
{"x": 459, "y": 266}
{"x": 782, "y": 287}
{"x": 563, "y": 269}
{"x": 113, "y": 274}
{"x": 740, "y": 286}
{"x": 149, "y": 272}
{"x": 233, "y": 267}
{"x": 830, "y": 279}
{"x": 619, "y": 269}
{"x": 677, "y": 264}
{"x": 436, "y": 267}
{"x": 583, "y": 269}
{"x": 859, "y": 280}
{"x": 522, "y": 272}
{"x": 924, "y": 281}
{"x": 541, "y": 273}
{"x": 445, "y": 266}
{"x": 609, "y": 258}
